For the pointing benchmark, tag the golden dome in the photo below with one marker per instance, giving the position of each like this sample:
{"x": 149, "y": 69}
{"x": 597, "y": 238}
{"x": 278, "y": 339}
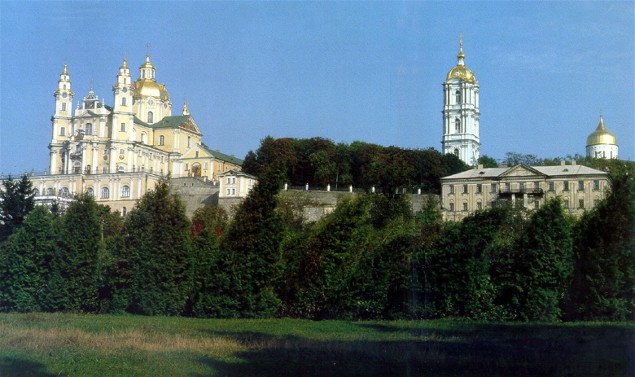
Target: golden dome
{"x": 144, "y": 88}
{"x": 460, "y": 71}
{"x": 601, "y": 136}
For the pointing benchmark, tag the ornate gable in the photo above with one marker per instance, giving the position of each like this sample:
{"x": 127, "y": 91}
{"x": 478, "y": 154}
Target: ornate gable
{"x": 521, "y": 171}
{"x": 190, "y": 125}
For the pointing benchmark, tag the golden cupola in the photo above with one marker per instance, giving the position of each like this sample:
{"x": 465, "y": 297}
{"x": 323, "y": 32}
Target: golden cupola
{"x": 601, "y": 135}
{"x": 147, "y": 86}
{"x": 460, "y": 71}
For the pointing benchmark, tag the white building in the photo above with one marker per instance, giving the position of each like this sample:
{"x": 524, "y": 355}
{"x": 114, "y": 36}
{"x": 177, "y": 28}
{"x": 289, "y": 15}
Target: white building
{"x": 461, "y": 113}
{"x": 579, "y": 187}
{"x": 602, "y": 143}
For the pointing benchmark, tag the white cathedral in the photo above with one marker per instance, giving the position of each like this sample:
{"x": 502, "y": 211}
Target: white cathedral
{"x": 461, "y": 112}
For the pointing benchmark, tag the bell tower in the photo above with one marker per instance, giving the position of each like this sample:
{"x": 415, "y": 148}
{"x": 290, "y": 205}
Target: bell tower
{"x": 62, "y": 119}
{"x": 461, "y": 112}
{"x": 123, "y": 113}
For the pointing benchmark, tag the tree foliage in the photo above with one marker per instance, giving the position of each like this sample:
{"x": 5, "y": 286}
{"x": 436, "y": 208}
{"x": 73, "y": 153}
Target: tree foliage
{"x": 16, "y": 201}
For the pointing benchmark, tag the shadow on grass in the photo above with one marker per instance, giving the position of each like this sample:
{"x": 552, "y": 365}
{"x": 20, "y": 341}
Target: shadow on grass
{"x": 13, "y": 366}
{"x": 444, "y": 352}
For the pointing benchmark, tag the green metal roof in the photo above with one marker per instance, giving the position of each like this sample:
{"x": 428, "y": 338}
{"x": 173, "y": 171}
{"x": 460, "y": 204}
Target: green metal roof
{"x": 221, "y": 156}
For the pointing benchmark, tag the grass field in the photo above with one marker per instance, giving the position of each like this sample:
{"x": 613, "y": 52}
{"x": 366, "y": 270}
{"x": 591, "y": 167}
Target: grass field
{"x": 104, "y": 345}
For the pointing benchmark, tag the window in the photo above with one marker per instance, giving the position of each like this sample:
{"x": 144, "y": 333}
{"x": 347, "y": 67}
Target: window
{"x": 493, "y": 187}
{"x": 456, "y": 152}
{"x": 187, "y": 166}
{"x": 196, "y": 154}
{"x": 457, "y": 125}
{"x": 451, "y": 189}
{"x": 229, "y": 192}
{"x": 566, "y": 203}
{"x": 465, "y": 189}
{"x": 452, "y": 207}
{"x": 161, "y": 140}
{"x": 36, "y": 192}
{"x": 122, "y": 127}
{"x": 580, "y": 185}
{"x": 566, "y": 186}
{"x": 458, "y": 97}
{"x": 536, "y": 186}
{"x": 150, "y": 117}
{"x": 144, "y": 138}
{"x": 479, "y": 188}
{"x": 229, "y": 180}
{"x": 120, "y": 169}
{"x": 89, "y": 129}
{"x": 479, "y": 205}
{"x": 521, "y": 185}
{"x": 537, "y": 204}
{"x": 596, "y": 185}
{"x": 50, "y": 191}
{"x": 507, "y": 187}
{"x": 552, "y": 186}
{"x": 123, "y": 212}
{"x": 122, "y": 151}
{"x": 596, "y": 202}
{"x": 189, "y": 141}
{"x": 581, "y": 203}
{"x": 63, "y": 131}
{"x": 125, "y": 191}
{"x": 465, "y": 206}
{"x": 64, "y": 192}
{"x": 123, "y": 101}
{"x": 105, "y": 193}
{"x": 63, "y": 106}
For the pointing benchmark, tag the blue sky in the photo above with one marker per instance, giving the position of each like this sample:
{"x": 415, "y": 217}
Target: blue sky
{"x": 369, "y": 71}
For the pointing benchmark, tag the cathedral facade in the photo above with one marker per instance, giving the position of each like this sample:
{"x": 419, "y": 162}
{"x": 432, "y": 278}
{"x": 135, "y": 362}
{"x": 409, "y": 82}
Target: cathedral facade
{"x": 117, "y": 152}
{"x": 461, "y": 113}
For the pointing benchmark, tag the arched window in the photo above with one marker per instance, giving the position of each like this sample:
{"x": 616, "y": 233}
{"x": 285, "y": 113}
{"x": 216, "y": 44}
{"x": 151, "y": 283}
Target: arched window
{"x": 63, "y": 106}
{"x": 120, "y": 169}
{"x": 105, "y": 193}
{"x": 161, "y": 140}
{"x": 125, "y": 191}
{"x": 457, "y": 125}
{"x": 458, "y": 97}
{"x": 50, "y": 191}
{"x": 64, "y": 192}
{"x": 144, "y": 138}
{"x": 36, "y": 192}
{"x": 123, "y": 212}
{"x": 90, "y": 192}
{"x": 189, "y": 141}
{"x": 89, "y": 129}
{"x": 456, "y": 152}
{"x": 150, "y": 117}
{"x": 63, "y": 131}
{"x": 123, "y": 101}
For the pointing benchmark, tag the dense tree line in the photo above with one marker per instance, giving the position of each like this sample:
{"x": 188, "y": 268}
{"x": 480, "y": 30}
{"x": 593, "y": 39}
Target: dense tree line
{"x": 320, "y": 162}
{"x": 370, "y": 258}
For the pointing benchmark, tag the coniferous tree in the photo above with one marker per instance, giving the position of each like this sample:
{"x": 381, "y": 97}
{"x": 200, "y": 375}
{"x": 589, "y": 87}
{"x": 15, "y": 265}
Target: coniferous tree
{"x": 251, "y": 250}
{"x": 16, "y": 201}
{"x": 153, "y": 266}
{"x": 80, "y": 243}
{"x": 28, "y": 266}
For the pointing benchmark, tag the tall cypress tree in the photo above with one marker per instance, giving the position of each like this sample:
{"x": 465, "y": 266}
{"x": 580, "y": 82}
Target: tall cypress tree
{"x": 28, "y": 270}
{"x": 80, "y": 241}
{"x": 16, "y": 201}
{"x": 154, "y": 263}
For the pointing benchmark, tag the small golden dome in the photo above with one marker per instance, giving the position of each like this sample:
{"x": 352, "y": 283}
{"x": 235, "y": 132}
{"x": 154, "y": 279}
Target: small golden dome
{"x": 147, "y": 63}
{"x": 601, "y": 136}
{"x": 144, "y": 88}
{"x": 460, "y": 71}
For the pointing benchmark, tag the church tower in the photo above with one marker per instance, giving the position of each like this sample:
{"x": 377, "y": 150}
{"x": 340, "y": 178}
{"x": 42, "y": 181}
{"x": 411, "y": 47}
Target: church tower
{"x": 602, "y": 143}
{"x": 461, "y": 112}
{"x": 62, "y": 119}
{"x": 123, "y": 114}
{"x": 151, "y": 99}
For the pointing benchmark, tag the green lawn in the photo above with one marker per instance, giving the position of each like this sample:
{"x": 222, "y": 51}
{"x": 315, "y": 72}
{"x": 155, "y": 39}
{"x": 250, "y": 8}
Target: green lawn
{"x": 106, "y": 345}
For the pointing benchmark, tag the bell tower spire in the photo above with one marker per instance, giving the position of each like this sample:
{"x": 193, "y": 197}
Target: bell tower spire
{"x": 461, "y": 112}
{"x": 62, "y": 119}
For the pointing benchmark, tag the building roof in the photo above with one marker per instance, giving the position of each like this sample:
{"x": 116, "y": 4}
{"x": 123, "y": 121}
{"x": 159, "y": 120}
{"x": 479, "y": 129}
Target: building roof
{"x": 223, "y": 157}
{"x": 547, "y": 171}
{"x": 177, "y": 121}
{"x": 236, "y": 173}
